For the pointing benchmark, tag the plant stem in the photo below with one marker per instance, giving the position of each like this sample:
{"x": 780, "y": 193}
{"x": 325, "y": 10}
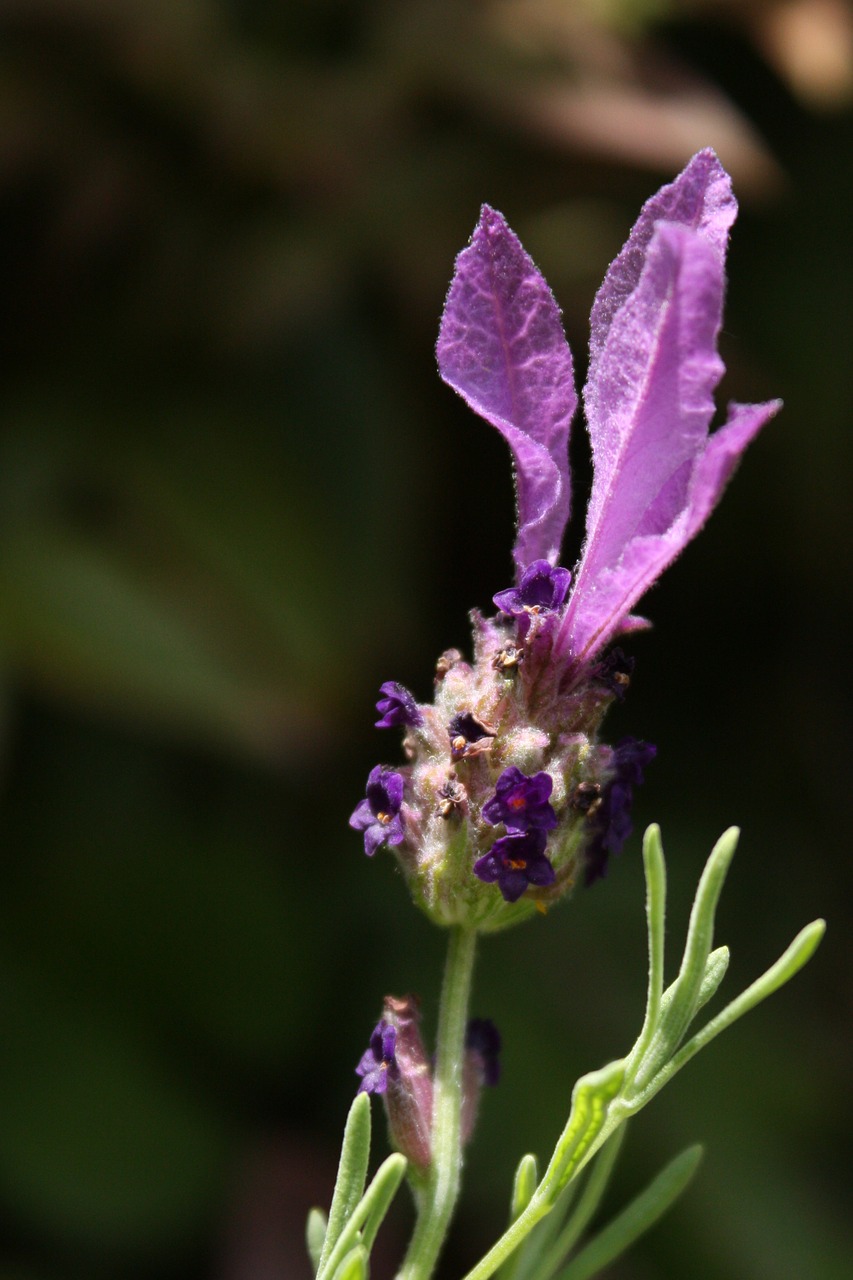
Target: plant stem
{"x": 437, "y": 1195}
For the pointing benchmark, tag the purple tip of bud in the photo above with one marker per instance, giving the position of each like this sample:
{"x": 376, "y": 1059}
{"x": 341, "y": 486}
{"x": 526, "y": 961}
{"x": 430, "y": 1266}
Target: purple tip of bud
{"x": 542, "y": 588}
{"x": 520, "y": 802}
{"x": 611, "y": 821}
{"x": 378, "y": 1062}
{"x": 378, "y": 815}
{"x": 483, "y": 1042}
{"x": 516, "y": 861}
{"x": 397, "y": 707}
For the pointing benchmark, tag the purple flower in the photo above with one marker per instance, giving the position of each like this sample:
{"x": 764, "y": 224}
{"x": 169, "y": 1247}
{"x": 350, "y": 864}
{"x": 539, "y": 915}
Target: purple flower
{"x": 378, "y": 1062}
{"x": 397, "y": 707}
{"x": 378, "y": 816}
{"x": 610, "y": 819}
{"x": 541, "y": 589}
{"x": 657, "y": 473}
{"x": 521, "y": 802}
{"x": 481, "y": 1066}
{"x": 516, "y": 861}
{"x": 468, "y": 735}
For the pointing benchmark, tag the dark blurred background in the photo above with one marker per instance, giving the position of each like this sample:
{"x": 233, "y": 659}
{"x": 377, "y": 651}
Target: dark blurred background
{"x": 234, "y": 497}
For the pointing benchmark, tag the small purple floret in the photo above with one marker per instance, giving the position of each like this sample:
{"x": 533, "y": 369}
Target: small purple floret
{"x": 378, "y": 1061}
{"x": 520, "y": 802}
{"x": 611, "y": 822}
{"x": 483, "y": 1042}
{"x": 542, "y": 589}
{"x": 516, "y": 861}
{"x": 378, "y": 815}
{"x": 397, "y": 707}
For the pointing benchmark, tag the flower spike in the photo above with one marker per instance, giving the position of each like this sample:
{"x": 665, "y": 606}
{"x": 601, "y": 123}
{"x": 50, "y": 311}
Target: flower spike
{"x": 501, "y": 347}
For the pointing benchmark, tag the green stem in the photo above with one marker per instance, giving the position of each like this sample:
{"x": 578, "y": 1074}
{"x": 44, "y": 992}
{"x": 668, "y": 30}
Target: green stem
{"x": 437, "y": 1196}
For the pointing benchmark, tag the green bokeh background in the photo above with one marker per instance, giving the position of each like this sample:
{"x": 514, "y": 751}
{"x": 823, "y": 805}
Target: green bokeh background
{"x": 234, "y": 497}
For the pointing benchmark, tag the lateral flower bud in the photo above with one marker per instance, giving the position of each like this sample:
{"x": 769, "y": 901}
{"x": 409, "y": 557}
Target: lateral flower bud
{"x": 408, "y": 1094}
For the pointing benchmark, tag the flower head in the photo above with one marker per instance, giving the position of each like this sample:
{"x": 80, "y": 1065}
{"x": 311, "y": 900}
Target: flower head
{"x": 513, "y": 737}
{"x": 378, "y": 815}
{"x": 397, "y": 707}
{"x": 378, "y": 1062}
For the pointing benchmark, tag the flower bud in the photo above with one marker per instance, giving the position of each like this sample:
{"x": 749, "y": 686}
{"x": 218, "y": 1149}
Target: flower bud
{"x": 408, "y": 1096}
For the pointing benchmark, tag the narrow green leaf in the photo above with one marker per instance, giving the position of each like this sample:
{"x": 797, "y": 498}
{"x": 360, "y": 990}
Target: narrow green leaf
{"x": 655, "y": 869}
{"x": 591, "y": 1099}
{"x": 586, "y": 1209}
{"x": 634, "y": 1220}
{"x": 798, "y": 954}
{"x": 390, "y": 1172}
{"x": 524, "y": 1185}
{"x": 526, "y": 1178}
{"x": 700, "y": 936}
{"x": 716, "y": 968}
{"x": 315, "y": 1235}
{"x": 352, "y": 1172}
{"x": 680, "y": 1001}
{"x": 382, "y": 1190}
{"x": 353, "y": 1266}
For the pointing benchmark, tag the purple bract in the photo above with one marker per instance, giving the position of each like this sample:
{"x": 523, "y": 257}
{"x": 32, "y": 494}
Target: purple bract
{"x": 520, "y": 802}
{"x": 516, "y": 861}
{"x": 378, "y": 1062}
{"x": 378, "y": 815}
{"x": 657, "y": 473}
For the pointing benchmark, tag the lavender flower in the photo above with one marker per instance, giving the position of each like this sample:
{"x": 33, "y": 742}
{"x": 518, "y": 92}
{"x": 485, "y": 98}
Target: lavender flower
{"x": 378, "y": 1062}
{"x": 521, "y": 803}
{"x": 513, "y": 736}
{"x": 378, "y": 815}
{"x": 397, "y": 707}
{"x": 516, "y": 861}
